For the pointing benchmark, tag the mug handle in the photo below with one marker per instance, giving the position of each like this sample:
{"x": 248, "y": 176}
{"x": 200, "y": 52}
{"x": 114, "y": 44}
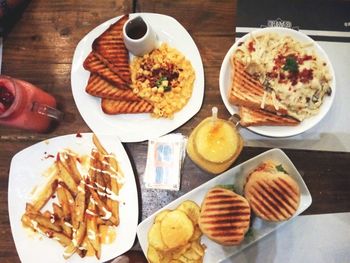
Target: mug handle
{"x": 46, "y": 110}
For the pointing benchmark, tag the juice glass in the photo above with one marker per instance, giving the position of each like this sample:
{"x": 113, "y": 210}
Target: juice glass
{"x": 25, "y": 106}
{"x": 214, "y": 144}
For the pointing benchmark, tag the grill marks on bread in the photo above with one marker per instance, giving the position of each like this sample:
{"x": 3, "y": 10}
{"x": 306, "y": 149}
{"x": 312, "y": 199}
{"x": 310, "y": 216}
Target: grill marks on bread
{"x": 99, "y": 87}
{"x": 246, "y": 91}
{"x": 244, "y": 87}
{"x": 254, "y": 117}
{"x": 93, "y": 64}
{"x": 257, "y": 106}
{"x": 272, "y": 196}
{"x": 121, "y": 106}
{"x": 224, "y": 217}
{"x": 110, "y": 45}
{"x": 108, "y": 63}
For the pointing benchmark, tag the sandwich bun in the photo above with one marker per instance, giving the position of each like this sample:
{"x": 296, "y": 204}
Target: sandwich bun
{"x": 224, "y": 216}
{"x": 272, "y": 194}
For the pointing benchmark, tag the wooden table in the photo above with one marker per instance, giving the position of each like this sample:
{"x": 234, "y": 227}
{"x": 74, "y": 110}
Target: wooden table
{"x": 39, "y": 49}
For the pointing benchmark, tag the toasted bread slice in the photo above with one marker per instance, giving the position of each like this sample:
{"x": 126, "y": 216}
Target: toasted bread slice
{"x": 93, "y": 64}
{"x": 122, "y": 106}
{"x": 99, "y": 87}
{"x": 247, "y": 91}
{"x": 273, "y": 195}
{"x": 110, "y": 45}
{"x": 224, "y": 217}
{"x": 250, "y": 117}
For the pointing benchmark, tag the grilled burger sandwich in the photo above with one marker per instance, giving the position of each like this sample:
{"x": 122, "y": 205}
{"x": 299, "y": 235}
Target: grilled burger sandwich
{"x": 224, "y": 217}
{"x": 272, "y": 194}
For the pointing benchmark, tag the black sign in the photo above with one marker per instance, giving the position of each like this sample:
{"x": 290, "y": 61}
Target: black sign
{"x": 327, "y": 20}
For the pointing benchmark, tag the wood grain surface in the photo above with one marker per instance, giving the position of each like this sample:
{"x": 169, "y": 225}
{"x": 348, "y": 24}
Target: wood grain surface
{"x": 39, "y": 48}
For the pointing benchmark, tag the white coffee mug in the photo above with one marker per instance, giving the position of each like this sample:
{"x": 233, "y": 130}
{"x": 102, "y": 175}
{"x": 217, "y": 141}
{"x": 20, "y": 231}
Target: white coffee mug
{"x": 139, "y": 37}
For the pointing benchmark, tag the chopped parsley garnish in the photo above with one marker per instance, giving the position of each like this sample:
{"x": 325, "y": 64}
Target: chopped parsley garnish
{"x": 280, "y": 168}
{"x": 291, "y": 65}
{"x": 167, "y": 88}
{"x": 159, "y": 81}
{"x": 159, "y": 84}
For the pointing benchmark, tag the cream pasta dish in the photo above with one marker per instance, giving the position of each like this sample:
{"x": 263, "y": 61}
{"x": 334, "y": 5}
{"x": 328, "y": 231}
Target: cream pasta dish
{"x": 294, "y": 79}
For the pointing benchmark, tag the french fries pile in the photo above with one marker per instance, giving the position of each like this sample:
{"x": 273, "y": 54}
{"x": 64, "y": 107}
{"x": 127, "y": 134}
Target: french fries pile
{"x": 175, "y": 236}
{"x": 87, "y": 210}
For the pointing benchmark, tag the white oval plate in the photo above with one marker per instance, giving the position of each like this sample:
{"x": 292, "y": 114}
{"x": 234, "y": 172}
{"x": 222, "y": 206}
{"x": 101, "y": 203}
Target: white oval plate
{"x": 26, "y": 172}
{"x": 277, "y": 131}
{"x": 137, "y": 127}
{"x": 236, "y": 176}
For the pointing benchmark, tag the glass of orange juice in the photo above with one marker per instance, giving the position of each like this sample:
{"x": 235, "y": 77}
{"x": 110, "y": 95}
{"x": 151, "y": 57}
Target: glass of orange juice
{"x": 25, "y": 106}
{"x": 214, "y": 144}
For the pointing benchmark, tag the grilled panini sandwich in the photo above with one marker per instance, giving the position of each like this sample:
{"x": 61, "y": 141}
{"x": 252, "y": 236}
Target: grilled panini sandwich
{"x": 224, "y": 217}
{"x": 108, "y": 63}
{"x": 110, "y": 45}
{"x": 250, "y": 117}
{"x": 247, "y": 91}
{"x": 123, "y": 106}
{"x": 94, "y": 64}
{"x": 99, "y": 87}
{"x": 257, "y": 106}
{"x": 272, "y": 194}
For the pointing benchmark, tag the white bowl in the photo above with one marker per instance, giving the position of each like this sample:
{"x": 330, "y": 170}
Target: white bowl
{"x": 225, "y": 81}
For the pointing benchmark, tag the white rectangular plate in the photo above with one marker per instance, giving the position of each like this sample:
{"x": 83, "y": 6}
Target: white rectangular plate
{"x": 26, "y": 172}
{"x": 236, "y": 176}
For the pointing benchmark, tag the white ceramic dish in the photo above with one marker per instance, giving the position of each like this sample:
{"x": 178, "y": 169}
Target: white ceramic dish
{"x": 236, "y": 176}
{"x": 137, "y": 127}
{"x": 225, "y": 81}
{"x": 26, "y": 172}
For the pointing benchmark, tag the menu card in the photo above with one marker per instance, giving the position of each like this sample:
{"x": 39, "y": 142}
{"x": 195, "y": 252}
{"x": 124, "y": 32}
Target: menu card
{"x": 328, "y": 23}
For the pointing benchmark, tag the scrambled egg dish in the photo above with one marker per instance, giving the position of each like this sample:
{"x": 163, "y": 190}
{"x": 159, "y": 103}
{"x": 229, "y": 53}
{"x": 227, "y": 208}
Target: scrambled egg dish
{"x": 164, "y": 78}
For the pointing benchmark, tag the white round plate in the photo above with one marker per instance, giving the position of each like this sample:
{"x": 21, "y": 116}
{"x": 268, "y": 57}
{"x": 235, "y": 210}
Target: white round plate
{"x": 137, "y": 127}
{"x": 26, "y": 173}
{"x": 225, "y": 81}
